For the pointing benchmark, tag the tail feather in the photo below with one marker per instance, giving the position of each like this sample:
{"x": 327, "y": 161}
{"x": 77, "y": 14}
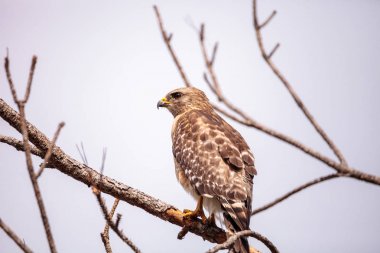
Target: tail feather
{"x": 241, "y": 245}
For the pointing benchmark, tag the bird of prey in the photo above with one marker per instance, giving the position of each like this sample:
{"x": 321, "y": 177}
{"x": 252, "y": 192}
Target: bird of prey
{"x": 212, "y": 161}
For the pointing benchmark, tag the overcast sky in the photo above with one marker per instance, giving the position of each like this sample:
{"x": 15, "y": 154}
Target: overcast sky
{"x": 102, "y": 66}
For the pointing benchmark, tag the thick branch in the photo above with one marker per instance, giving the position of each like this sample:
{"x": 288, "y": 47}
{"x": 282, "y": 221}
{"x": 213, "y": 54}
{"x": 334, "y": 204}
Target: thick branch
{"x": 292, "y": 92}
{"x": 296, "y": 190}
{"x": 88, "y": 176}
{"x": 14, "y": 237}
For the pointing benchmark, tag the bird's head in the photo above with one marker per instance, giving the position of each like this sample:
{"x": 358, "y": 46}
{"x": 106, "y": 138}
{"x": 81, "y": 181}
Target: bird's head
{"x": 182, "y": 100}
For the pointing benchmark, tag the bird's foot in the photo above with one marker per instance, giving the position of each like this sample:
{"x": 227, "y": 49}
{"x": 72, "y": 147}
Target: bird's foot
{"x": 195, "y": 214}
{"x": 198, "y": 212}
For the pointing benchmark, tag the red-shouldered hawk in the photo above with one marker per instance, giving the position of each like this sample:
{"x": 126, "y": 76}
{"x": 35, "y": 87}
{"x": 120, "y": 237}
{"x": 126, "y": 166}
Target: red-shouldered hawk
{"x": 212, "y": 161}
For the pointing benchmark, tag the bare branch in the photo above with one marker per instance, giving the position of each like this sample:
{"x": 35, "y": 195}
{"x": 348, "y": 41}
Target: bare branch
{"x": 292, "y": 92}
{"x": 118, "y": 219}
{"x": 209, "y": 63}
{"x": 82, "y": 153}
{"x": 248, "y": 121}
{"x": 271, "y": 16}
{"x": 36, "y": 187}
{"x": 18, "y": 145}
{"x": 106, "y": 214}
{"x": 105, "y": 235}
{"x": 48, "y": 153}
{"x": 9, "y": 78}
{"x": 343, "y": 169}
{"x": 237, "y": 235}
{"x": 24, "y": 131}
{"x": 274, "y": 50}
{"x": 10, "y": 81}
{"x": 167, "y": 40}
{"x": 213, "y": 55}
{"x": 103, "y": 160}
{"x": 14, "y": 237}
{"x": 296, "y": 190}
{"x": 30, "y": 79}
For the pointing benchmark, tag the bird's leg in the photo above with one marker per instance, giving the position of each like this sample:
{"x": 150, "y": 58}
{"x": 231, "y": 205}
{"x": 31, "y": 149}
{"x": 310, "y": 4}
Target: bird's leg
{"x": 211, "y": 220}
{"x": 198, "y": 212}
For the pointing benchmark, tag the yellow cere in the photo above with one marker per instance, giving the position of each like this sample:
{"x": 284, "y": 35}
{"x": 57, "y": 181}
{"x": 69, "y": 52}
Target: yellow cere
{"x": 164, "y": 100}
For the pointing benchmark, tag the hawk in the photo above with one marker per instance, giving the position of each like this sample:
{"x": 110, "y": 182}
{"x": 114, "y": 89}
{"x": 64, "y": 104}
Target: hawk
{"x": 212, "y": 161}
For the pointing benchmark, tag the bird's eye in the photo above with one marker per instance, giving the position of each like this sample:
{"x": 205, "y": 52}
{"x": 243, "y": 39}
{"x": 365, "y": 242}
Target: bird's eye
{"x": 176, "y": 95}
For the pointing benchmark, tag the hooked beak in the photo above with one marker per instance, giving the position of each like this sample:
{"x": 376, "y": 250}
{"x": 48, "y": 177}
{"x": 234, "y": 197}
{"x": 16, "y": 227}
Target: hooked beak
{"x": 162, "y": 103}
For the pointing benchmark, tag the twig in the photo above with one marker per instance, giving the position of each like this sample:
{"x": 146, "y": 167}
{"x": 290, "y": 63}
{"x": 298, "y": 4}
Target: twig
{"x": 105, "y": 235}
{"x": 213, "y": 55}
{"x": 120, "y": 233}
{"x": 274, "y": 50}
{"x": 214, "y": 84}
{"x": 209, "y": 63}
{"x": 82, "y": 153}
{"x": 48, "y": 153}
{"x": 296, "y": 190}
{"x": 29, "y": 164}
{"x": 118, "y": 219}
{"x": 19, "y": 145}
{"x": 14, "y": 237}
{"x": 271, "y": 16}
{"x": 237, "y": 235}
{"x": 292, "y": 92}
{"x": 103, "y": 160}
{"x": 167, "y": 40}
{"x": 30, "y": 79}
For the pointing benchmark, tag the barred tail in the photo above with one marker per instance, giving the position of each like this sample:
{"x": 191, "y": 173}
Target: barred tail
{"x": 241, "y": 245}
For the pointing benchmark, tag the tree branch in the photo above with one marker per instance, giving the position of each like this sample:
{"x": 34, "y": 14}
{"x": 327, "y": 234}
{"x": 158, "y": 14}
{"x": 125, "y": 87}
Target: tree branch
{"x": 274, "y": 50}
{"x": 296, "y": 190}
{"x": 48, "y": 153}
{"x": 271, "y": 16}
{"x": 83, "y": 173}
{"x": 105, "y": 235}
{"x": 292, "y": 92}
{"x": 110, "y": 223}
{"x": 237, "y": 235}
{"x": 14, "y": 237}
{"x": 23, "y": 130}
{"x": 342, "y": 168}
{"x": 167, "y": 39}
{"x": 18, "y": 145}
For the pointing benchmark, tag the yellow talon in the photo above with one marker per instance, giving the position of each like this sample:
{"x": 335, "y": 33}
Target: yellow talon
{"x": 198, "y": 212}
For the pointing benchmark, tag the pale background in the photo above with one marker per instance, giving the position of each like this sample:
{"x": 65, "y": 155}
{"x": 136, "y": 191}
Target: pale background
{"x": 103, "y": 66}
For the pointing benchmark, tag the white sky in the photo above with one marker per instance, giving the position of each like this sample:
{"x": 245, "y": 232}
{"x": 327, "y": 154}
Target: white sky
{"x": 103, "y": 66}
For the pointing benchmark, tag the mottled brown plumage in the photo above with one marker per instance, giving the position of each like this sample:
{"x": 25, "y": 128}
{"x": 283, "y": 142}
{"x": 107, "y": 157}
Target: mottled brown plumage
{"x": 212, "y": 159}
